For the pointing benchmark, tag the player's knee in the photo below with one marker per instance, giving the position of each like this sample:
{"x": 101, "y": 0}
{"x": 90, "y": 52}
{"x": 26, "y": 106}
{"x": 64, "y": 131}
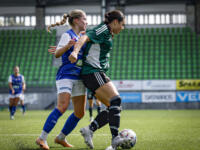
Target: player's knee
{"x": 62, "y": 109}
{"x": 79, "y": 115}
{"x": 115, "y": 103}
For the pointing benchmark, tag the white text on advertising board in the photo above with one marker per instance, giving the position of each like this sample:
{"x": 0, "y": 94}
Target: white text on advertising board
{"x": 150, "y": 97}
{"x": 159, "y": 85}
{"x": 188, "y": 96}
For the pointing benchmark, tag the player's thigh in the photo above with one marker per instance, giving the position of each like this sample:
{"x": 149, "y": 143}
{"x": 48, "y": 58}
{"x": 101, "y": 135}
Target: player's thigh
{"x": 11, "y": 99}
{"x": 21, "y": 102}
{"x": 106, "y": 92}
{"x": 21, "y": 99}
{"x": 64, "y": 90}
{"x": 63, "y": 100}
{"x": 79, "y": 98}
{"x": 79, "y": 103}
{"x": 99, "y": 83}
{"x": 16, "y": 100}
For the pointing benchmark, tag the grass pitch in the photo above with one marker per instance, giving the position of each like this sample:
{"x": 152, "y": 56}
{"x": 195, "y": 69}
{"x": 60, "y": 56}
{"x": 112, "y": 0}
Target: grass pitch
{"x": 155, "y": 129}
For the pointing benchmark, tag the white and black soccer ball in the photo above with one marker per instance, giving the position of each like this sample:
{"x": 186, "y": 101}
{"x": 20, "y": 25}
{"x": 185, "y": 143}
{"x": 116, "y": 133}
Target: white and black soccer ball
{"x": 129, "y": 134}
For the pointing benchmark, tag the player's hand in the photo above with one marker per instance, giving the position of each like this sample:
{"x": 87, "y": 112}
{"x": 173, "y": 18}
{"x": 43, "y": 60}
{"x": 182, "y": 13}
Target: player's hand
{"x": 73, "y": 57}
{"x": 52, "y": 50}
{"x": 13, "y": 91}
{"x": 71, "y": 42}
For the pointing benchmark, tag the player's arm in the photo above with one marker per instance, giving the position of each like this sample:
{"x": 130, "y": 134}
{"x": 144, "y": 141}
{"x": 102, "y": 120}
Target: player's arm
{"x": 74, "y": 55}
{"x": 64, "y": 44}
{"x": 59, "y": 52}
{"x": 10, "y": 84}
{"x": 23, "y": 84}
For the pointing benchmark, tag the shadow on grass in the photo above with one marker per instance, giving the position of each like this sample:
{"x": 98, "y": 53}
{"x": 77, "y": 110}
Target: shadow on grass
{"x": 74, "y": 148}
{"x": 23, "y": 146}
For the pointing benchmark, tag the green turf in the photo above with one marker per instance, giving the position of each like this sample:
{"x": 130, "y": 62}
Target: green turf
{"x": 155, "y": 129}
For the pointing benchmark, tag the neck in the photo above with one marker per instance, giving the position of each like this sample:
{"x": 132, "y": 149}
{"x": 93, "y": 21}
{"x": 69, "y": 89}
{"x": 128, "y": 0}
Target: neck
{"x": 110, "y": 26}
{"x": 16, "y": 74}
{"x": 76, "y": 30}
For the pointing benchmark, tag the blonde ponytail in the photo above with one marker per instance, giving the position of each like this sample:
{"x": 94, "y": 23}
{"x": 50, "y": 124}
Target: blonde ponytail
{"x": 71, "y": 16}
{"x": 63, "y": 21}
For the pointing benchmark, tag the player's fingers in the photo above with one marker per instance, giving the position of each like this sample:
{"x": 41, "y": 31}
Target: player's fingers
{"x": 51, "y": 50}
{"x": 52, "y": 46}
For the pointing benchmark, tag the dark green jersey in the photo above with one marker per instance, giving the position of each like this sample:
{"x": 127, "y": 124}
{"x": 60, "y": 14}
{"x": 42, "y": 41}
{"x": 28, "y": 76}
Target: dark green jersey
{"x": 97, "y": 52}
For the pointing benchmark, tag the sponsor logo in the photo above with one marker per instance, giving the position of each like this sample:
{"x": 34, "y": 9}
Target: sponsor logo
{"x": 131, "y": 97}
{"x": 128, "y": 85}
{"x": 151, "y": 97}
{"x": 123, "y": 84}
{"x": 159, "y": 85}
{"x": 110, "y": 39}
{"x": 188, "y": 84}
{"x": 188, "y": 96}
{"x": 158, "y": 97}
{"x": 79, "y": 63}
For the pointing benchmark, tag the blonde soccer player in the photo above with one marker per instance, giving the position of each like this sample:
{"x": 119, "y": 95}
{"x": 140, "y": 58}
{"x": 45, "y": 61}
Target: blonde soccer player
{"x": 68, "y": 82}
{"x": 17, "y": 87}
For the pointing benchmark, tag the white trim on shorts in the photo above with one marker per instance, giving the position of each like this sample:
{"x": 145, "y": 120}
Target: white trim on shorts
{"x": 99, "y": 78}
{"x": 73, "y": 87}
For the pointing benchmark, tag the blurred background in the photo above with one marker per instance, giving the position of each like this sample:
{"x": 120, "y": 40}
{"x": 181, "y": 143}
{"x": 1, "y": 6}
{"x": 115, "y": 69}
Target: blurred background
{"x": 155, "y": 62}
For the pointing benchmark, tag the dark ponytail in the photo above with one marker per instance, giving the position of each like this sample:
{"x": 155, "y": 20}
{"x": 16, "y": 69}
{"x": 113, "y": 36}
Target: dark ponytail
{"x": 112, "y": 15}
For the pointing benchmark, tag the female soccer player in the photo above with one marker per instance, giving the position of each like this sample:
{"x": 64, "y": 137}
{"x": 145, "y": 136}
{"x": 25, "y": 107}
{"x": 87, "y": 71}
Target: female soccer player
{"x": 67, "y": 81}
{"x": 95, "y": 65}
{"x": 17, "y": 87}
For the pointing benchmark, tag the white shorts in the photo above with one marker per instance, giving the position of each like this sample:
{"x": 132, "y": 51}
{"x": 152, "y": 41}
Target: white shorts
{"x": 73, "y": 87}
{"x": 20, "y": 96}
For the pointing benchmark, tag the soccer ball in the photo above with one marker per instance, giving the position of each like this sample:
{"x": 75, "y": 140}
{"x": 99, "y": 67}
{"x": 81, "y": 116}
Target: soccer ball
{"x": 129, "y": 134}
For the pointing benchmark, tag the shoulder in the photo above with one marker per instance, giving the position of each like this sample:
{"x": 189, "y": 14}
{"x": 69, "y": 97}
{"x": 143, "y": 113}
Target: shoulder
{"x": 65, "y": 38}
{"x": 10, "y": 76}
{"x": 65, "y": 35}
{"x": 22, "y": 75}
{"x": 101, "y": 29}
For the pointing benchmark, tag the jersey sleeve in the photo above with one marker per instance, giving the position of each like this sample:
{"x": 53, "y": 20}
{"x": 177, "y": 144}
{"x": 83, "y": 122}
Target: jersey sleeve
{"x": 95, "y": 36}
{"x": 23, "y": 80}
{"x": 65, "y": 38}
{"x": 10, "y": 79}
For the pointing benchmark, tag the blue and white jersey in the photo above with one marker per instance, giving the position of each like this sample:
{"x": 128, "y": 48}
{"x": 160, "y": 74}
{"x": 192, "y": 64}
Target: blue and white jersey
{"x": 17, "y": 83}
{"x": 68, "y": 70}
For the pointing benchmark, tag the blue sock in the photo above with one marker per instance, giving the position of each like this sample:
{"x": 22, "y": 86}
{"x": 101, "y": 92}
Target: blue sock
{"x": 52, "y": 120}
{"x": 23, "y": 108}
{"x": 13, "y": 110}
{"x": 70, "y": 124}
